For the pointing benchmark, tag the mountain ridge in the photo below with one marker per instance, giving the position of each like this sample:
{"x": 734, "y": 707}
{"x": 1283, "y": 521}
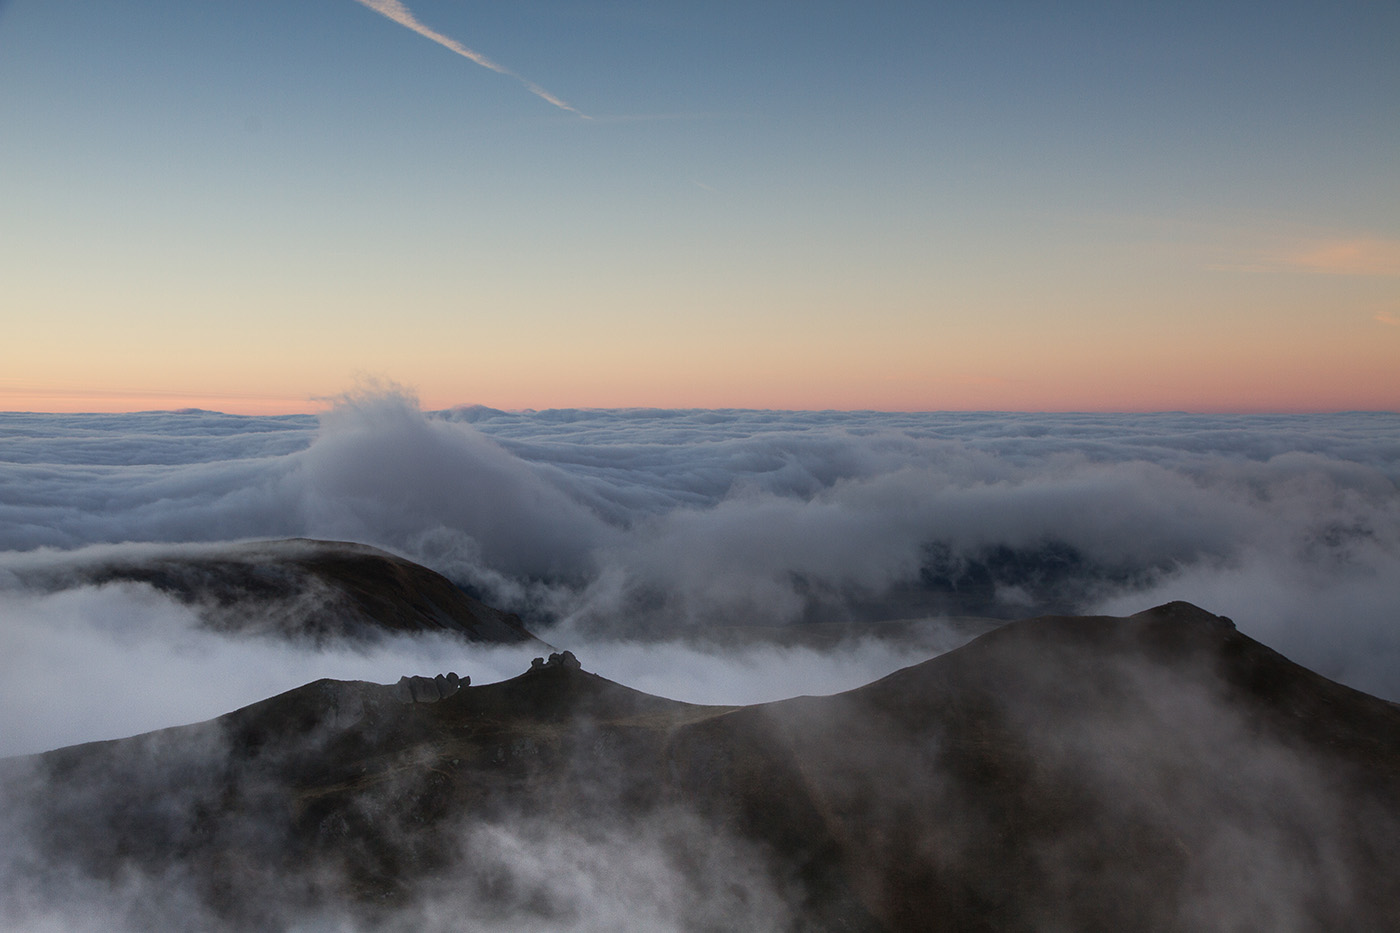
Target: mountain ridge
{"x": 298, "y": 589}
{"x": 1159, "y": 771}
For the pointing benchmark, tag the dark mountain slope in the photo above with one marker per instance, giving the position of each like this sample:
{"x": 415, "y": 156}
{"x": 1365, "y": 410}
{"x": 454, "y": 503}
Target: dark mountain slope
{"x": 1157, "y": 772}
{"x": 302, "y": 588}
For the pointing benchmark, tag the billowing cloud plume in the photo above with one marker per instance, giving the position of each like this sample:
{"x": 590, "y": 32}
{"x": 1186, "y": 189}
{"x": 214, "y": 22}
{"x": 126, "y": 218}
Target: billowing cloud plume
{"x": 396, "y": 11}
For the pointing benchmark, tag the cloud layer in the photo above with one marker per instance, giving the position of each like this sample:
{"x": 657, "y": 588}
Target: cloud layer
{"x": 613, "y": 524}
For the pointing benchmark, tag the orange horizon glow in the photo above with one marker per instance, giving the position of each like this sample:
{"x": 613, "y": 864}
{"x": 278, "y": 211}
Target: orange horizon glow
{"x": 66, "y": 403}
{"x": 1194, "y": 403}
{"x": 1147, "y": 362}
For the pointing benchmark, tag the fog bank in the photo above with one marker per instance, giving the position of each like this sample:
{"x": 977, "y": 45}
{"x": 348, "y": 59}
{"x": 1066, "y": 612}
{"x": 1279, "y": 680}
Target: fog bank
{"x": 634, "y": 524}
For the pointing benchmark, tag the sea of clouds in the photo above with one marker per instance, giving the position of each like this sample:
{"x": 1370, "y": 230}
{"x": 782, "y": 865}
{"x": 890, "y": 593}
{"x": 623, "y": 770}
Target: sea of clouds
{"x": 613, "y": 532}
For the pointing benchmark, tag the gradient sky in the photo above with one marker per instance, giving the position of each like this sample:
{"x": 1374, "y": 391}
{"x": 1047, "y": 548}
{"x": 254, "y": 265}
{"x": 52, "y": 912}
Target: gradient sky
{"x": 1036, "y": 206}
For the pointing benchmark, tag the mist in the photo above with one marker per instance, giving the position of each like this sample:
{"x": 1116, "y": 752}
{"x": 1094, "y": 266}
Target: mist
{"x": 87, "y": 663}
{"x": 623, "y": 534}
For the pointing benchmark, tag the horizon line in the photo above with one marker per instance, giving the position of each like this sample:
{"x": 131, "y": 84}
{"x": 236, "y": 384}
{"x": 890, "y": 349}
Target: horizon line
{"x": 329, "y": 403}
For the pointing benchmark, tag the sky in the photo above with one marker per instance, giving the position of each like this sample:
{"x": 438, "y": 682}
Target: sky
{"x": 802, "y": 205}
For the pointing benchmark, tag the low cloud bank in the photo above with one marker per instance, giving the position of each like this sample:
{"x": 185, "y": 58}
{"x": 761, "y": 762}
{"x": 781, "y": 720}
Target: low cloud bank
{"x": 102, "y": 662}
{"x": 640, "y": 523}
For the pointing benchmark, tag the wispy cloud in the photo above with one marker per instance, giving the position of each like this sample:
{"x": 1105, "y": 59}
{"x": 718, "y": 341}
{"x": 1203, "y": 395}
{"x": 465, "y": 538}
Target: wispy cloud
{"x": 396, "y": 11}
{"x": 1386, "y": 317}
{"x": 1355, "y": 256}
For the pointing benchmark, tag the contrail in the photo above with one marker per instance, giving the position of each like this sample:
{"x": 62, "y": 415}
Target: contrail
{"x": 401, "y": 14}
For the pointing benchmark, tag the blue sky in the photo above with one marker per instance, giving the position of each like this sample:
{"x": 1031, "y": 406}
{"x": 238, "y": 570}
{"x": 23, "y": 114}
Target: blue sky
{"x": 800, "y": 204}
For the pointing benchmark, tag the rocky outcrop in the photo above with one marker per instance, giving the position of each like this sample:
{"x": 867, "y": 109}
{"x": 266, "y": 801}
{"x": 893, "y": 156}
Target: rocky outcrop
{"x": 563, "y": 660}
{"x": 429, "y": 689}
